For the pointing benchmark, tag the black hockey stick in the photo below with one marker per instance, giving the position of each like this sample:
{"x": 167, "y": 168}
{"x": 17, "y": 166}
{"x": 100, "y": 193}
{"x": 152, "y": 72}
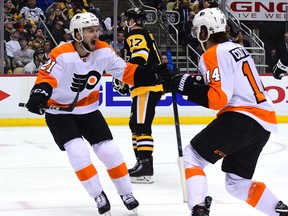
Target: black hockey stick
{"x": 175, "y": 109}
{"x": 70, "y": 108}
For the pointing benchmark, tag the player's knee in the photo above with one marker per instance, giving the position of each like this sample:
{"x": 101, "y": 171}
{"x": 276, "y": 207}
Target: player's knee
{"x": 78, "y": 153}
{"x": 109, "y": 153}
{"x": 237, "y": 186}
{"x": 192, "y": 158}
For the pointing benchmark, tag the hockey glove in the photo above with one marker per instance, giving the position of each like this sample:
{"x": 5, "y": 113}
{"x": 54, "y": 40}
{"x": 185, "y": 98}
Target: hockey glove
{"x": 149, "y": 76}
{"x": 279, "y": 70}
{"x": 120, "y": 87}
{"x": 180, "y": 83}
{"x": 39, "y": 97}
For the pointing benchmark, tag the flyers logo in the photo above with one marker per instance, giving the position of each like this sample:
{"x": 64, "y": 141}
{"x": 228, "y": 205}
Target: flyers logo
{"x": 88, "y": 81}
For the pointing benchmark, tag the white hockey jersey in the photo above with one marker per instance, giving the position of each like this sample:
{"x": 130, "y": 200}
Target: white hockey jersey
{"x": 66, "y": 72}
{"x": 235, "y": 84}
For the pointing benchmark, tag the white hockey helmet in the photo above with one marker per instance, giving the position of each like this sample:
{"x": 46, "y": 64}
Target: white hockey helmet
{"x": 80, "y": 21}
{"x": 212, "y": 18}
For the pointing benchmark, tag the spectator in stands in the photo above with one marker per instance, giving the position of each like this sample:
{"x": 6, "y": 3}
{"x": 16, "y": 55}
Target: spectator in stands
{"x": 33, "y": 66}
{"x": 44, "y": 4}
{"x": 38, "y": 41}
{"x": 66, "y": 35}
{"x": 202, "y": 4}
{"x": 188, "y": 28}
{"x": 58, "y": 15}
{"x": 12, "y": 46}
{"x": 212, "y": 3}
{"x": 57, "y": 32}
{"x": 66, "y": 5}
{"x": 19, "y": 4}
{"x": 47, "y": 47}
{"x": 76, "y": 8}
{"x": 23, "y": 55}
{"x": 7, "y": 62}
{"x": 31, "y": 12}
{"x": 271, "y": 59}
{"x": 58, "y": 4}
{"x": 230, "y": 33}
{"x": 282, "y": 48}
{"x": 94, "y": 9}
{"x": 191, "y": 39}
{"x": 183, "y": 11}
{"x": 31, "y": 32}
{"x": 8, "y": 27}
{"x": 9, "y": 9}
{"x": 23, "y": 26}
{"x": 108, "y": 25}
{"x": 166, "y": 5}
{"x": 119, "y": 44}
{"x": 240, "y": 39}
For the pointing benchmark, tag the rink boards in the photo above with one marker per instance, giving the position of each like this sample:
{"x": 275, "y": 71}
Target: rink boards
{"x": 116, "y": 108}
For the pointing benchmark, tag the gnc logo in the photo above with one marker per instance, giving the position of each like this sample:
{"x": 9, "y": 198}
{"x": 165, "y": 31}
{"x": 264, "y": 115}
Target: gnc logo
{"x": 262, "y": 10}
{"x": 259, "y": 6}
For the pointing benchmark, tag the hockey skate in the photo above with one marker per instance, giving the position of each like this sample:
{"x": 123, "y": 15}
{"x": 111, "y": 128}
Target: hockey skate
{"x": 282, "y": 209}
{"x": 144, "y": 172}
{"x": 202, "y": 210}
{"x": 103, "y": 204}
{"x": 135, "y": 166}
{"x": 130, "y": 202}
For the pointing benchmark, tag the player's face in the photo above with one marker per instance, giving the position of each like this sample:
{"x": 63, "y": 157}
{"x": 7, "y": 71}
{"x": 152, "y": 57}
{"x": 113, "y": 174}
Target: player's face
{"x": 90, "y": 37}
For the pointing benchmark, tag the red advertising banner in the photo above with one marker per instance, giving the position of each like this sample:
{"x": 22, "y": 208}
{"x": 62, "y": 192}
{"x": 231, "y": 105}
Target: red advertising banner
{"x": 259, "y": 10}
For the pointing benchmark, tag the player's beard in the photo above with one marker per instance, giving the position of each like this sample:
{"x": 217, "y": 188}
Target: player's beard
{"x": 90, "y": 47}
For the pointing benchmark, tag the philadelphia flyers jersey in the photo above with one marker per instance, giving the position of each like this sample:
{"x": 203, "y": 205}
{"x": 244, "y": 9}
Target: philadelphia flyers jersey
{"x": 140, "y": 48}
{"x": 234, "y": 84}
{"x": 67, "y": 72}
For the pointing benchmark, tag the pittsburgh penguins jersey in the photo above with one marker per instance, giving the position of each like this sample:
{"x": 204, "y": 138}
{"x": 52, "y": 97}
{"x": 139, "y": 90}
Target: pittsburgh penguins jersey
{"x": 141, "y": 48}
{"x": 67, "y": 72}
{"x": 233, "y": 85}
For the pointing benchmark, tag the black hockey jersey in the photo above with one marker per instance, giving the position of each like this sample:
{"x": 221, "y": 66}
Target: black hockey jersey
{"x": 141, "y": 48}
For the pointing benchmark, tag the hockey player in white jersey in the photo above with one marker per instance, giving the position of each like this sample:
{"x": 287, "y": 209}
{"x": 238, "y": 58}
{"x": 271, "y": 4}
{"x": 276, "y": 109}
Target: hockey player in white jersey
{"x": 231, "y": 84}
{"x": 76, "y": 68}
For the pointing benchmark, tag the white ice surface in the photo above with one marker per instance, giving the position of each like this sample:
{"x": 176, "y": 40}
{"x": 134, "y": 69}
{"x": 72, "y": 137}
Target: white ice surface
{"x": 36, "y": 178}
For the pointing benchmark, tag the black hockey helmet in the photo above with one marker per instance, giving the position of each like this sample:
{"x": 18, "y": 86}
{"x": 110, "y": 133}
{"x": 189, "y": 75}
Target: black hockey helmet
{"x": 137, "y": 14}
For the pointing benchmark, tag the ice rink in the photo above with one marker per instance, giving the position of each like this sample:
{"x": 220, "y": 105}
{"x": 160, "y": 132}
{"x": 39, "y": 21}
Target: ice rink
{"x": 36, "y": 178}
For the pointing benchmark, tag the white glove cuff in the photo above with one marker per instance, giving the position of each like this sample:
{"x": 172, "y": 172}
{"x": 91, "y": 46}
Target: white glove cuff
{"x": 182, "y": 82}
{"x": 281, "y": 66}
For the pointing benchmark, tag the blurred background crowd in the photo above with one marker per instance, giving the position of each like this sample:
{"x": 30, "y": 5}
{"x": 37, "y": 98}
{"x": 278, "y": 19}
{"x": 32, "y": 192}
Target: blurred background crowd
{"x": 33, "y": 27}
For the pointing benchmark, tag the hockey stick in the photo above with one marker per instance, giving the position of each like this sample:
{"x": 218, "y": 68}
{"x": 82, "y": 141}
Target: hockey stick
{"x": 175, "y": 110}
{"x": 70, "y": 108}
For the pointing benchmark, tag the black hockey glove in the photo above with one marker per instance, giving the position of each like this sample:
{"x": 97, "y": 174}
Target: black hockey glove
{"x": 39, "y": 96}
{"x": 279, "y": 70}
{"x": 180, "y": 82}
{"x": 120, "y": 87}
{"x": 149, "y": 76}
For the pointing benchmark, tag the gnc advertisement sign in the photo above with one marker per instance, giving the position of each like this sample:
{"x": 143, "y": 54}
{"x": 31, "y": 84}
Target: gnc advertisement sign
{"x": 259, "y": 10}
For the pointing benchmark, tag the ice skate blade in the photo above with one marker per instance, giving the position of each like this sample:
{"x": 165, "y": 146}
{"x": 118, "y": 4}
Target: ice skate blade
{"x": 108, "y": 213}
{"x": 142, "y": 180}
{"x": 135, "y": 211}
